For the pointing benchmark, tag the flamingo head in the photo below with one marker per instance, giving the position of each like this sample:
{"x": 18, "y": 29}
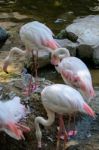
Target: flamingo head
{"x": 12, "y": 130}
{"x": 58, "y": 54}
{"x": 5, "y": 64}
{"x": 15, "y": 130}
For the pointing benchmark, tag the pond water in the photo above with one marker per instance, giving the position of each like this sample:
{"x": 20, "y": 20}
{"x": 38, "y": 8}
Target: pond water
{"x": 57, "y": 14}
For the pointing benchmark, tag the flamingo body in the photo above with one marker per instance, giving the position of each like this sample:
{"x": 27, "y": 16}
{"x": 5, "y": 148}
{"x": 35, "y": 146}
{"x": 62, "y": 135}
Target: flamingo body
{"x": 75, "y": 73}
{"x": 60, "y": 99}
{"x": 11, "y": 112}
{"x": 37, "y": 35}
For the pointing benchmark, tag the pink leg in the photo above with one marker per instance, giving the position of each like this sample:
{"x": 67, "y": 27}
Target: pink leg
{"x": 61, "y": 129}
{"x": 72, "y": 132}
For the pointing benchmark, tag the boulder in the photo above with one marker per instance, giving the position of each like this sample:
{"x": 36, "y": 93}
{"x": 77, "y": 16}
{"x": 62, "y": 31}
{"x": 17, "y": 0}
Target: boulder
{"x": 83, "y": 38}
{"x": 3, "y": 36}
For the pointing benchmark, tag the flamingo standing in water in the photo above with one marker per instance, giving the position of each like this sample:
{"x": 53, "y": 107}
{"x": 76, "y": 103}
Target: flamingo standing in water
{"x": 11, "y": 112}
{"x": 60, "y": 99}
{"x": 73, "y": 71}
{"x": 35, "y": 36}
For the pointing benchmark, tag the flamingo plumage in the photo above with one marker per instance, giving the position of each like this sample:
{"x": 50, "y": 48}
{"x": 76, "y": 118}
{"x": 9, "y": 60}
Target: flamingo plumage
{"x": 11, "y": 112}
{"x": 35, "y": 36}
{"x": 73, "y": 71}
{"x": 61, "y": 99}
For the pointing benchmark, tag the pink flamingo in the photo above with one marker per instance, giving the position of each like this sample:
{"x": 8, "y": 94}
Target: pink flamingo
{"x": 60, "y": 99}
{"x": 35, "y": 36}
{"x": 10, "y": 114}
{"x": 73, "y": 71}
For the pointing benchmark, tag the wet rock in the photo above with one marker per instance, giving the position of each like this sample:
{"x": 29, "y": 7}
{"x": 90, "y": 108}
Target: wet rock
{"x": 43, "y": 60}
{"x": 87, "y": 30}
{"x": 68, "y": 44}
{"x": 69, "y": 35}
{"x": 3, "y": 36}
{"x": 18, "y": 16}
{"x": 82, "y": 39}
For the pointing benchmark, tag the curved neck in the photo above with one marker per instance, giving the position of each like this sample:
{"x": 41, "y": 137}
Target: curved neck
{"x": 16, "y": 50}
{"x": 62, "y": 53}
{"x": 41, "y": 120}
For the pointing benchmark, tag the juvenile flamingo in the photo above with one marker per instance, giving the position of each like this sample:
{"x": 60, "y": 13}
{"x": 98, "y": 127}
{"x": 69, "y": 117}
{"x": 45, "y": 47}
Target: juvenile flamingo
{"x": 73, "y": 71}
{"x": 61, "y": 99}
{"x": 11, "y": 112}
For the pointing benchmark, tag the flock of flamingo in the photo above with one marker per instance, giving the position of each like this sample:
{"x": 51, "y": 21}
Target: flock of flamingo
{"x": 62, "y": 99}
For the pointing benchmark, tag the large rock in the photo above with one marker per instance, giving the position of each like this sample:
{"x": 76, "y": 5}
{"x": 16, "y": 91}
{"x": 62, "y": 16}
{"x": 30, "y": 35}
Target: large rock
{"x": 86, "y": 45}
{"x": 43, "y": 60}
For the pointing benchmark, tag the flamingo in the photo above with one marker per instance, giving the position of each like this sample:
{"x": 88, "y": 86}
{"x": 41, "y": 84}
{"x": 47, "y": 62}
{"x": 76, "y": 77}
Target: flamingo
{"x": 10, "y": 114}
{"x": 61, "y": 99}
{"x": 73, "y": 71}
{"x": 35, "y": 36}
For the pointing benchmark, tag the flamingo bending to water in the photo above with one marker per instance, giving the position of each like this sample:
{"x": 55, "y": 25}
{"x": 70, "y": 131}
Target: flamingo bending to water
{"x": 11, "y": 112}
{"x": 60, "y": 99}
{"x": 35, "y": 36}
{"x": 73, "y": 71}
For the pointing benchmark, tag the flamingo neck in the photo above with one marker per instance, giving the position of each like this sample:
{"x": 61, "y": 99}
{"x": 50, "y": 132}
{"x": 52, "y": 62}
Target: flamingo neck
{"x": 62, "y": 53}
{"x": 41, "y": 120}
{"x": 16, "y": 50}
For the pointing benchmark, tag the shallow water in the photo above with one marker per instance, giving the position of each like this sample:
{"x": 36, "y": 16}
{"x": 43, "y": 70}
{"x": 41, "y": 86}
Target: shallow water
{"x": 55, "y": 13}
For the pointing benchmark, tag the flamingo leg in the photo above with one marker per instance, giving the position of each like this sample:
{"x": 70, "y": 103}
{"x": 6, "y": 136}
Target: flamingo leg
{"x": 68, "y": 126}
{"x": 61, "y": 129}
{"x": 59, "y": 132}
{"x": 71, "y": 132}
{"x": 36, "y": 69}
{"x": 74, "y": 130}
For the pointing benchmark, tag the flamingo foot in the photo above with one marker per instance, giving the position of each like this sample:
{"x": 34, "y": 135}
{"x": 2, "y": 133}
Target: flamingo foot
{"x": 72, "y": 133}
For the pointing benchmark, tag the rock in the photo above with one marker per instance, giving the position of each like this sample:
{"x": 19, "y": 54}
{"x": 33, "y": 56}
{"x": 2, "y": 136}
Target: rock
{"x": 87, "y": 31}
{"x": 3, "y": 36}
{"x": 43, "y": 60}
{"x": 82, "y": 39}
{"x": 68, "y": 44}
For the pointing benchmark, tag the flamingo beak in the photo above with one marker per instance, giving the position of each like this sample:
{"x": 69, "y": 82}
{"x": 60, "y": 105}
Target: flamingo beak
{"x": 13, "y": 128}
{"x": 5, "y": 67}
{"x": 54, "y": 60}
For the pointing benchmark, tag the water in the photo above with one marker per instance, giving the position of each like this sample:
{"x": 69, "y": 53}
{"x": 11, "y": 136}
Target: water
{"x": 57, "y": 14}
{"x": 50, "y": 11}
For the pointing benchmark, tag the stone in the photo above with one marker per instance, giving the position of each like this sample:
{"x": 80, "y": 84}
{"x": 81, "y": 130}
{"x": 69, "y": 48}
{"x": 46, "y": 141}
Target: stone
{"x": 3, "y": 36}
{"x": 82, "y": 39}
{"x": 87, "y": 31}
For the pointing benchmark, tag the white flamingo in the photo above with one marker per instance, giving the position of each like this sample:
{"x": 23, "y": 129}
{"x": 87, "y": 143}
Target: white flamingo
{"x": 73, "y": 71}
{"x": 60, "y": 99}
{"x": 35, "y": 36}
{"x": 11, "y": 112}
